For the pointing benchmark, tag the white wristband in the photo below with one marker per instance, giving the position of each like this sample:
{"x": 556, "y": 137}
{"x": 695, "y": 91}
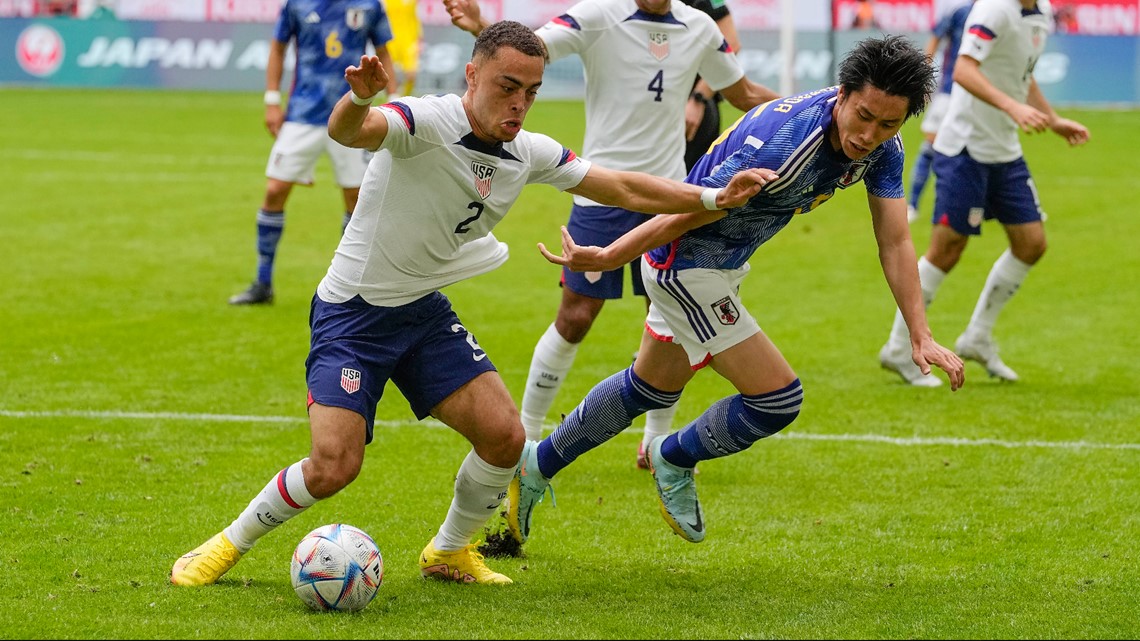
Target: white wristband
{"x": 708, "y": 198}
{"x": 272, "y": 97}
{"x": 363, "y": 102}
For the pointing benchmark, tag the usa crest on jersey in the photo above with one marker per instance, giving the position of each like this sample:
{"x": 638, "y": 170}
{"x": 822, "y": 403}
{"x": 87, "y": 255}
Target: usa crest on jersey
{"x": 483, "y": 175}
{"x": 354, "y": 18}
{"x": 659, "y": 44}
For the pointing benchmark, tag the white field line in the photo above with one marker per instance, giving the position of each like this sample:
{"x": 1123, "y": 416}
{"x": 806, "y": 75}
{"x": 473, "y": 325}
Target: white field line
{"x": 912, "y": 441}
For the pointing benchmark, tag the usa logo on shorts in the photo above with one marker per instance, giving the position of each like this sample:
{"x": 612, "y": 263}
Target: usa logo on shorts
{"x": 350, "y": 380}
{"x": 726, "y": 311}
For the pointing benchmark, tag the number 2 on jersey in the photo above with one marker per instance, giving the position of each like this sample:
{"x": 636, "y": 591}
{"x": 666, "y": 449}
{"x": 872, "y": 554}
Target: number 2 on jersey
{"x": 464, "y": 227}
{"x": 657, "y": 85}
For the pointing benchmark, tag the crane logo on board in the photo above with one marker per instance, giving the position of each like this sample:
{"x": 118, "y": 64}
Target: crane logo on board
{"x": 39, "y": 50}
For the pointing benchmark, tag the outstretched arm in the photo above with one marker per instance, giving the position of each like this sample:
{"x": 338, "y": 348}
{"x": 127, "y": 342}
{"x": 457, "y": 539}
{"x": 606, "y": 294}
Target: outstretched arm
{"x": 653, "y": 195}
{"x": 896, "y": 255}
{"x": 355, "y": 125}
{"x": 968, "y": 73}
{"x": 745, "y": 94}
{"x": 654, "y": 232}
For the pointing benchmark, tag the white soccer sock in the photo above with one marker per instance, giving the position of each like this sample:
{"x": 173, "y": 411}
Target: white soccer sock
{"x": 1005, "y": 277}
{"x": 657, "y": 423}
{"x": 553, "y": 357}
{"x": 282, "y": 498}
{"x": 479, "y": 488}
{"x": 930, "y": 278}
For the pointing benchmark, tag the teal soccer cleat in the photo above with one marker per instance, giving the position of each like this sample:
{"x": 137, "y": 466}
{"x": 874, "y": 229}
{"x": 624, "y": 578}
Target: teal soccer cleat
{"x": 678, "y": 495}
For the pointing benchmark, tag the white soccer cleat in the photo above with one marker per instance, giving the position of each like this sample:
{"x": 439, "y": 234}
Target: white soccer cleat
{"x": 911, "y": 214}
{"x": 899, "y": 362}
{"x": 984, "y": 350}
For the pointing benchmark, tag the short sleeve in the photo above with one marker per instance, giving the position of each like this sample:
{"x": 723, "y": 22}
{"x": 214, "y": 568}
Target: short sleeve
{"x": 555, "y": 165}
{"x": 984, "y": 24}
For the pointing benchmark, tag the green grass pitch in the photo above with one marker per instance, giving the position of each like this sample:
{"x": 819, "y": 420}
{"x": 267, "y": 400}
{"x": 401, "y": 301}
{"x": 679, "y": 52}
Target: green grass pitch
{"x": 140, "y": 413}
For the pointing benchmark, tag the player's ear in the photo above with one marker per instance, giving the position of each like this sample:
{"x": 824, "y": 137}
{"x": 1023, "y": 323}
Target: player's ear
{"x": 469, "y": 73}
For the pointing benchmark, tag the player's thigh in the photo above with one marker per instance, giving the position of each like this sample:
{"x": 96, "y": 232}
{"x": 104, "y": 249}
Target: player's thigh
{"x": 295, "y": 153}
{"x": 356, "y": 348}
{"x": 599, "y": 226}
{"x": 348, "y": 163}
{"x": 754, "y": 365}
{"x": 961, "y": 193}
{"x": 699, "y": 309}
{"x": 1013, "y": 195}
{"x": 446, "y": 357}
{"x": 662, "y": 363}
{"x": 483, "y": 411}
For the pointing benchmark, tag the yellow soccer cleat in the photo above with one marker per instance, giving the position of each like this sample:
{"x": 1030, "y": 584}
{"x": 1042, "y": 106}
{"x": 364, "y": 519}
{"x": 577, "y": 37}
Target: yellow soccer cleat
{"x": 464, "y": 565}
{"x": 206, "y": 563}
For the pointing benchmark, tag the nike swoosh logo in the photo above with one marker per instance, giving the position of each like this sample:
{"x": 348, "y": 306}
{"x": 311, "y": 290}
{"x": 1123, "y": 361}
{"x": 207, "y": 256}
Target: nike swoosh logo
{"x": 545, "y": 386}
{"x": 699, "y": 526}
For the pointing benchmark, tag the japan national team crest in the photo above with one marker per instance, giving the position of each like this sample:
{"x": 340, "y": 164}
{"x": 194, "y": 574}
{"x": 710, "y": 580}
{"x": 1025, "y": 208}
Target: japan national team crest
{"x": 726, "y": 311}
{"x": 854, "y": 174}
{"x": 354, "y": 18}
{"x": 350, "y": 380}
{"x": 483, "y": 175}
{"x": 659, "y": 44}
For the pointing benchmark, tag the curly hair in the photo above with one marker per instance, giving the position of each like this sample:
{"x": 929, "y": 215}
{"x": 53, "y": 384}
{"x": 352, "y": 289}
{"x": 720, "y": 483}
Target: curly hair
{"x": 508, "y": 33}
{"x": 892, "y": 64}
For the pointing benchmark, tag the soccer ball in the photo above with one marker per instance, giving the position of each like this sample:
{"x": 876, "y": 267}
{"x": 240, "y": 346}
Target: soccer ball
{"x": 337, "y": 567}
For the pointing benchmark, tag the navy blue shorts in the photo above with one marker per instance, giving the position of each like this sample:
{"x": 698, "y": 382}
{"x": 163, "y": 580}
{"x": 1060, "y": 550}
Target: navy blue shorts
{"x": 356, "y": 348}
{"x": 968, "y": 192}
{"x": 601, "y": 226}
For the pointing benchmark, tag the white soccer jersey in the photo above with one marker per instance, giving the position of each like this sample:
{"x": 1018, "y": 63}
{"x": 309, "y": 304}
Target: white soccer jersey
{"x": 640, "y": 70}
{"x": 429, "y": 200}
{"x": 1007, "y": 40}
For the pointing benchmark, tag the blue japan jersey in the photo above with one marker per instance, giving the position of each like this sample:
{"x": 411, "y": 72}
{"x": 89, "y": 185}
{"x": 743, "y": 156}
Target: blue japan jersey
{"x": 788, "y": 136}
{"x": 330, "y": 35}
{"x": 950, "y": 28}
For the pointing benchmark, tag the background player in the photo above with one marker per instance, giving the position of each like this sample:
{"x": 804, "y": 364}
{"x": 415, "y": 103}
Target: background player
{"x": 981, "y": 173}
{"x": 949, "y": 31}
{"x": 406, "y": 44}
{"x": 328, "y": 35}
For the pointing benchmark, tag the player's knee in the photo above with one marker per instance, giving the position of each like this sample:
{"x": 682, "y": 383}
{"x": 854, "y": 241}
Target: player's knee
{"x": 772, "y": 412}
{"x": 328, "y": 475}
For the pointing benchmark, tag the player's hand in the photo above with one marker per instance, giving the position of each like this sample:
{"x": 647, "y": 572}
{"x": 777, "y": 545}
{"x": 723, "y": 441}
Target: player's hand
{"x": 931, "y": 353}
{"x": 743, "y": 186}
{"x": 369, "y": 79}
{"x": 1030, "y": 120}
{"x": 576, "y": 257}
{"x": 694, "y": 114}
{"x": 274, "y": 117}
{"x": 1072, "y": 131}
{"x": 465, "y": 14}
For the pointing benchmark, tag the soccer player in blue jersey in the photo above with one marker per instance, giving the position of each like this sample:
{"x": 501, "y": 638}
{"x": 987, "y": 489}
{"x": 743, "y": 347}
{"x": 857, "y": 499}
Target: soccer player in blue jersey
{"x": 447, "y": 169}
{"x": 981, "y": 172}
{"x": 948, "y": 31}
{"x": 814, "y": 143}
{"x": 327, "y": 36}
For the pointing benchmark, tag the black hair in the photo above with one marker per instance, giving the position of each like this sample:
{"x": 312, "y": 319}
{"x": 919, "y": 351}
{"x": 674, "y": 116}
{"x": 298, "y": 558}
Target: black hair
{"x": 892, "y": 64}
{"x": 508, "y": 33}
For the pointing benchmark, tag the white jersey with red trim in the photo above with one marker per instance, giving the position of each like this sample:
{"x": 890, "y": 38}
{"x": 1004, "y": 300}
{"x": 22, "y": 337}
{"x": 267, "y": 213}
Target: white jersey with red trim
{"x": 1007, "y": 40}
{"x": 640, "y": 69}
{"x": 429, "y": 200}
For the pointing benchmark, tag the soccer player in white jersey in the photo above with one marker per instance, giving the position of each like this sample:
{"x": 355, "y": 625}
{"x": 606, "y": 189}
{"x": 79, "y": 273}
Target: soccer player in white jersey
{"x": 446, "y": 170}
{"x": 982, "y": 175}
{"x": 641, "y": 59}
{"x": 816, "y": 143}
